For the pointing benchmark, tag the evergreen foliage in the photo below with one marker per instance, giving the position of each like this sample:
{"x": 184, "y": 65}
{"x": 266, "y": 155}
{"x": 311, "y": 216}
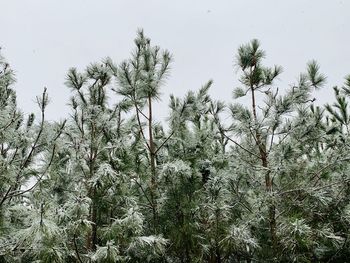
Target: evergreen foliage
{"x": 111, "y": 184}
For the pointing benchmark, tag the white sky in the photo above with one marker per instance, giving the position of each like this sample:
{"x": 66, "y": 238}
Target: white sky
{"x": 43, "y": 38}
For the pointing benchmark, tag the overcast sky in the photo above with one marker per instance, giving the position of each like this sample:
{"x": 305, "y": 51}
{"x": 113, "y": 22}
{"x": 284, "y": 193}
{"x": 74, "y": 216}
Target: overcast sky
{"x": 42, "y": 39}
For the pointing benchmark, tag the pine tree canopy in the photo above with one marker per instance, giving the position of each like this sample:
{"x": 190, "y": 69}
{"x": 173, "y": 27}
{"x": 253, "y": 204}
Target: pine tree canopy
{"x": 263, "y": 181}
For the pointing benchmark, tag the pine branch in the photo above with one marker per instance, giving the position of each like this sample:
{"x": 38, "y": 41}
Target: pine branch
{"x": 76, "y": 248}
{"x": 171, "y": 134}
{"x": 240, "y": 146}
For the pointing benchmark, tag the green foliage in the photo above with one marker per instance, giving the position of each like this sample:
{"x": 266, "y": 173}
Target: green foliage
{"x": 266, "y": 181}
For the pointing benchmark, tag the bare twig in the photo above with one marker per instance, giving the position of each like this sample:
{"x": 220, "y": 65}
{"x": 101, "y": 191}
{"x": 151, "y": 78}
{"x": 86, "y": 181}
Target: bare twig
{"x": 240, "y": 146}
{"x": 164, "y": 142}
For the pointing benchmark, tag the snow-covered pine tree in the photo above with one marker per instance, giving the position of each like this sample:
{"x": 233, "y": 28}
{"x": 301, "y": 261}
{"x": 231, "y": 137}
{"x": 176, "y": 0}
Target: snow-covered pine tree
{"x": 27, "y": 151}
{"x": 281, "y": 141}
{"x": 96, "y": 182}
{"x": 112, "y": 185}
{"x": 140, "y": 79}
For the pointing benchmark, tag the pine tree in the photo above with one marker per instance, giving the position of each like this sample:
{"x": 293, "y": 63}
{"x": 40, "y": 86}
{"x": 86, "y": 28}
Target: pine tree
{"x": 140, "y": 79}
{"x": 110, "y": 184}
{"x": 27, "y": 151}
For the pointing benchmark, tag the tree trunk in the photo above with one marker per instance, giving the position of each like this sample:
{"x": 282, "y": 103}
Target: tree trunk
{"x": 94, "y": 226}
{"x": 153, "y": 165}
{"x": 92, "y": 235}
{"x": 268, "y": 179}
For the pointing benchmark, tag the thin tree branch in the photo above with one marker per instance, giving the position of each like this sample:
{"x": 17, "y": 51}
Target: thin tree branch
{"x": 140, "y": 111}
{"x": 164, "y": 142}
{"x": 39, "y": 180}
{"x": 143, "y": 191}
{"x": 76, "y": 248}
{"x": 140, "y": 126}
{"x": 240, "y": 146}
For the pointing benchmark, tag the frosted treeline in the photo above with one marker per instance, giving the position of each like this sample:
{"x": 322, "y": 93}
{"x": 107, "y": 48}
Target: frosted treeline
{"x": 112, "y": 183}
